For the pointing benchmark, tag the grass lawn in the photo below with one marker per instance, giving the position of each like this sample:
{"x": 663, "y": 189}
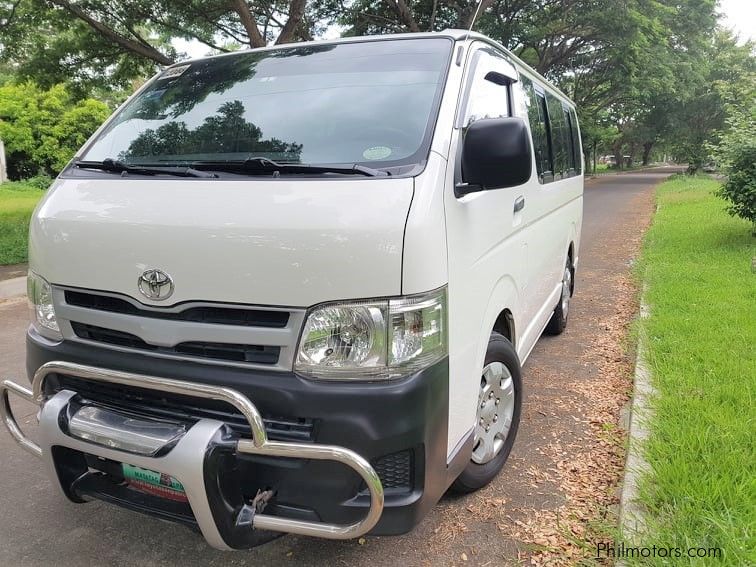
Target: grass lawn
{"x": 701, "y": 491}
{"x": 17, "y": 201}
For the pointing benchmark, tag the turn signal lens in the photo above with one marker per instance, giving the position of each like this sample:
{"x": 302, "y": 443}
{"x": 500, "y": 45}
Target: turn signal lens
{"x": 39, "y": 294}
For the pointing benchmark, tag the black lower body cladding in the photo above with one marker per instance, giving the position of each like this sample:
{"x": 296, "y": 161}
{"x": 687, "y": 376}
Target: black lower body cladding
{"x": 399, "y": 426}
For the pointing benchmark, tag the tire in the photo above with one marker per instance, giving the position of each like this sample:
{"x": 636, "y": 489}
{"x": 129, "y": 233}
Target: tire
{"x": 558, "y": 322}
{"x": 479, "y": 472}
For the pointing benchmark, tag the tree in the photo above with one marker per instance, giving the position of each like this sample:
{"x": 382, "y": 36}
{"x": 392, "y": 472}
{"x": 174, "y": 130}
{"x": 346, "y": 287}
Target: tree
{"x": 663, "y": 98}
{"x": 42, "y": 129}
{"x": 109, "y": 43}
{"x": 640, "y": 71}
{"x": 736, "y": 151}
{"x": 700, "y": 115}
{"x": 598, "y": 132}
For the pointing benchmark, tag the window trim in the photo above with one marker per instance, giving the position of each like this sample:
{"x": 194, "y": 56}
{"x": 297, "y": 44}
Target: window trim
{"x": 472, "y": 66}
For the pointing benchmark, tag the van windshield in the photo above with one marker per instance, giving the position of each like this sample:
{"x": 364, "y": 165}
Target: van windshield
{"x": 371, "y": 103}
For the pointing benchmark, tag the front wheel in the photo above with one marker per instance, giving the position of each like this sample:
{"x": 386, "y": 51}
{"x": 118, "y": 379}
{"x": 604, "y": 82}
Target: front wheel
{"x": 498, "y": 415}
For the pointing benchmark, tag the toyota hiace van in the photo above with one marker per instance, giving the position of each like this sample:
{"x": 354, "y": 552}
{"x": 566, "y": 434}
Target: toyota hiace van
{"x": 291, "y": 289}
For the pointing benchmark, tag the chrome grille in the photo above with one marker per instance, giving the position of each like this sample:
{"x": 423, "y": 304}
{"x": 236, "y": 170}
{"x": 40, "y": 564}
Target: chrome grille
{"x": 215, "y": 333}
{"x": 219, "y": 315}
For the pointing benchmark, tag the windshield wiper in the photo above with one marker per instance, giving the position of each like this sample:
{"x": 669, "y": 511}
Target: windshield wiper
{"x": 262, "y": 165}
{"x": 116, "y": 166}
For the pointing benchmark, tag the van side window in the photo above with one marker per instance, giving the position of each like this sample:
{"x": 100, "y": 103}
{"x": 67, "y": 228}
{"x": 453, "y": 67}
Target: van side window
{"x": 537, "y": 117}
{"x": 571, "y": 155}
{"x": 576, "y": 142}
{"x": 560, "y": 138}
{"x": 488, "y": 98}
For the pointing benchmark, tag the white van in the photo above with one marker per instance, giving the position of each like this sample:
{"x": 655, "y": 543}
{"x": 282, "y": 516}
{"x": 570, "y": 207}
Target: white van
{"x": 290, "y": 290}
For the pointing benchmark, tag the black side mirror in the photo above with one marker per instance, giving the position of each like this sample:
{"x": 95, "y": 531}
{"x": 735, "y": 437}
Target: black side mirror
{"x": 495, "y": 154}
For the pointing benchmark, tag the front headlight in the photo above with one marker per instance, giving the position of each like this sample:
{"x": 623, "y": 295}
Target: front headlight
{"x": 39, "y": 293}
{"x": 371, "y": 340}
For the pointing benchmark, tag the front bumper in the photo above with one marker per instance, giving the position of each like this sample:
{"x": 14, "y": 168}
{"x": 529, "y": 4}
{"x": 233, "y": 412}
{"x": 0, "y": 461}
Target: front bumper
{"x": 189, "y": 460}
{"x": 325, "y": 485}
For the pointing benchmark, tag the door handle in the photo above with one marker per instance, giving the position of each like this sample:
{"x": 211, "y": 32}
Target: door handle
{"x": 519, "y": 204}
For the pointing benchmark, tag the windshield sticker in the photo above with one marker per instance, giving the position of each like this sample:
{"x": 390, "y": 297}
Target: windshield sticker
{"x": 154, "y": 95}
{"x": 174, "y": 72}
{"x": 377, "y": 152}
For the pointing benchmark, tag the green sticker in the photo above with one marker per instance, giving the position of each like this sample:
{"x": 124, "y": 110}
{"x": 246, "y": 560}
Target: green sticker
{"x": 146, "y": 476}
{"x": 376, "y": 152}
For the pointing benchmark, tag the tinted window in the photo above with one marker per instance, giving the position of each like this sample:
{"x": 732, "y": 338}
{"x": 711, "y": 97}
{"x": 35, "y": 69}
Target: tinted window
{"x": 560, "y": 138}
{"x": 576, "y": 141}
{"x": 539, "y": 128}
{"x": 555, "y": 135}
{"x": 369, "y": 102}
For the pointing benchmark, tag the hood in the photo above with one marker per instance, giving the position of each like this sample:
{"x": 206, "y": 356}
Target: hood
{"x": 280, "y": 242}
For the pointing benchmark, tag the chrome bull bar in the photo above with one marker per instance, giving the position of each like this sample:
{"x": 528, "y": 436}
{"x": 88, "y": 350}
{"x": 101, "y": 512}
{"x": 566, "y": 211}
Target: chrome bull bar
{"x": 259, "y": 444}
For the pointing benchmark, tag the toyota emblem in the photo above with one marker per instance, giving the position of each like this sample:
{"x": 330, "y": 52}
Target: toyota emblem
{"x": 155, "y": 284}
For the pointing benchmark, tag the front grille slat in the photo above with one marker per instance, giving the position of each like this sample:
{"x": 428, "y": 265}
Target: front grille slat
{"x": 202, "y": 314}
{"x": 159, "y": 405}
{"x": 258, "y": 354}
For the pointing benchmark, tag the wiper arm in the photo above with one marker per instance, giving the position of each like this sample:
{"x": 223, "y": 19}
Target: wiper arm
{"x": 117, "y": 166}
{"x": 257, "y": 165}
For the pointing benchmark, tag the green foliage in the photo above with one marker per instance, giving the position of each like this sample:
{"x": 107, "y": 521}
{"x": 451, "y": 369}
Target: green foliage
{"x": 39, "y": 182}
{"x": 42, "y": 129}
{"x": 740, "y": 187}
{"x": 646, "y": 75}
{"x": 106, "y": 44}
{"x": 17, "y": 201}
{"x": 736, "y": 151}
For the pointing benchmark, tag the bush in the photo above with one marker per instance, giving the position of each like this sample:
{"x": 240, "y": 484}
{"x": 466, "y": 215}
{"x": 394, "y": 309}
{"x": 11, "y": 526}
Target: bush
{"x": 43, "y": 129}
{"x": 740, "y": 187}
{"x": 736, "y": 151}
{"x": 39, "y": 181}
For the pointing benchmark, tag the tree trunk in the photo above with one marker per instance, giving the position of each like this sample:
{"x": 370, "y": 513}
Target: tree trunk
{"x": 248, "y": 21}
{"x": 617, "y": 151}
{"x": 647, "y": 152}
{"x": 296, "y": 13}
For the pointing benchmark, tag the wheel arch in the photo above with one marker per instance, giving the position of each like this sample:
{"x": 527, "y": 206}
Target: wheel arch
{"x": 505, "y": 325}
{"x": 501, "y": 314}
{"x": 571, "y": 258}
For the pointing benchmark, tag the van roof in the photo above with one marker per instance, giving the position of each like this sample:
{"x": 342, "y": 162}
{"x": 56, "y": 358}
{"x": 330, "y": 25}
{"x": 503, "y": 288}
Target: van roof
{"x": 453, "y": 34}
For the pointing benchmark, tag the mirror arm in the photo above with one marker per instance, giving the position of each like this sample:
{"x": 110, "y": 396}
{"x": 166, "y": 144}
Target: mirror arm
{"x": 462, "y": 189}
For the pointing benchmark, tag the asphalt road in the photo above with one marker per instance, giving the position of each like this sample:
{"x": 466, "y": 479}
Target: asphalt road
{"x": 39, "y": 527}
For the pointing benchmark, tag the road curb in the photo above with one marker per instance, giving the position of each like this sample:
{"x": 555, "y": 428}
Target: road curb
{"x": 12, "y": 288}
{"x": 632, "y": 511}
